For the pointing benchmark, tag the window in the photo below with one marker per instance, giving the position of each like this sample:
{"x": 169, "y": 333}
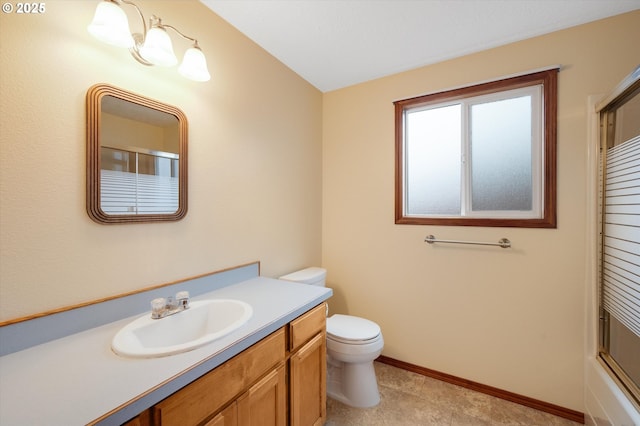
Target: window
{"x": 483, "y": 155}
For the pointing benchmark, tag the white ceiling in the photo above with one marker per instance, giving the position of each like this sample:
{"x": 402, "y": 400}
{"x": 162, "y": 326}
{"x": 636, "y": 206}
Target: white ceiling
{"x": 338, "y": 43}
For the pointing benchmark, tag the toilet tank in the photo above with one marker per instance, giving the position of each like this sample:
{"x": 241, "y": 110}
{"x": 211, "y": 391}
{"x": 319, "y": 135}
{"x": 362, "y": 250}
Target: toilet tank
{"x": 313, "y": 275}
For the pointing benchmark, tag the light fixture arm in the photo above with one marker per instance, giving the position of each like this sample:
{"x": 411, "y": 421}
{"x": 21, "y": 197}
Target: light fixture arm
{"x": 195, "y": 42}
{"x": 144, "y": 22}
{"x": 159, "y": 22}
{"x": 138, "y": 37}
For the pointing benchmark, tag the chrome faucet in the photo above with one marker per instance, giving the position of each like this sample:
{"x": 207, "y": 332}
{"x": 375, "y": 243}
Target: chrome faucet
{"x": 163, "y": 307}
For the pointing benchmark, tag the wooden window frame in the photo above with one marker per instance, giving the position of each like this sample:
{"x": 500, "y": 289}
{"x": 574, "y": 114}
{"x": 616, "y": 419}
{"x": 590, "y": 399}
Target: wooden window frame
{"x": 548, "y": 80}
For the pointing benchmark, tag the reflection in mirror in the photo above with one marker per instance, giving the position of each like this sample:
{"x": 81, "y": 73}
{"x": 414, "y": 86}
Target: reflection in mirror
{"x": 136, "y": 158}
{"x": 139, "y": 156}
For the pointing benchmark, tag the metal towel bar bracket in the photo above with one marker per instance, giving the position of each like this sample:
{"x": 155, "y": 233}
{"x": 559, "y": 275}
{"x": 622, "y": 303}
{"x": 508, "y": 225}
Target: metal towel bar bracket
{"x": 503, "y": 242}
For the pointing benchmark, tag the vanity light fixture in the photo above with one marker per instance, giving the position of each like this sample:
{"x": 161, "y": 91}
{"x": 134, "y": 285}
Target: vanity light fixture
{"x": 153, "y": 46}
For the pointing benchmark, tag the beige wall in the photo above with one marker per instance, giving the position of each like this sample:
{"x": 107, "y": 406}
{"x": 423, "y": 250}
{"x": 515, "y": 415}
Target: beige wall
{"x": 117, "y": 131}
{"x": 254, "y": 160}
{"x": 513, "y": 319}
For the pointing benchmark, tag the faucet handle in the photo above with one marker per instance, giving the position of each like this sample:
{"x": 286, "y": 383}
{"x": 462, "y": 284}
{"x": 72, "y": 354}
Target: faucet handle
{"x": 157, "y": 306}
{"x": 183, "y": 299}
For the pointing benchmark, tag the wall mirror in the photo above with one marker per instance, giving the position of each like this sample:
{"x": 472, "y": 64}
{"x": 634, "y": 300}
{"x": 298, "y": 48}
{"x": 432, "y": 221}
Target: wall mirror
{"x": 136, "y": 158}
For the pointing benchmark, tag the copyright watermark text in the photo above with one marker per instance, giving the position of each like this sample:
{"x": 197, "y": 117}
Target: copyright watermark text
{"x": 24, "y": 8}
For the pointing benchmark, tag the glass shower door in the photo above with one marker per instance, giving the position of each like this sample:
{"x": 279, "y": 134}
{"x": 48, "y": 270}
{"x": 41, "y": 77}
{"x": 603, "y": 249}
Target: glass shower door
{"x": 620, "y": 239}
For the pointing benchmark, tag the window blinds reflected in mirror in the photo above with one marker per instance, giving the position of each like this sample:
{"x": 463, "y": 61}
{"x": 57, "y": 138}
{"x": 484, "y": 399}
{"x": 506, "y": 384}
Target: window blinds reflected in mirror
{"x": 138, "y": 182}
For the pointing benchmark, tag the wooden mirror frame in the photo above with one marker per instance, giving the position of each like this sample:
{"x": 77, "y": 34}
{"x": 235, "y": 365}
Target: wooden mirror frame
{"x": 95, "y": 94}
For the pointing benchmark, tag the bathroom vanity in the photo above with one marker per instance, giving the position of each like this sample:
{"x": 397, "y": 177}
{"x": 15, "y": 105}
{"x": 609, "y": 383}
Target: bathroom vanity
{"x": 279, "y": 381}
{"x": 270, "y": 371}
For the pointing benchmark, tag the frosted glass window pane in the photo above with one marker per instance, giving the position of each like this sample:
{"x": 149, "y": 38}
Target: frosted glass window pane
{"x": 504, "y": 181}
{"x": 433, "y": 144}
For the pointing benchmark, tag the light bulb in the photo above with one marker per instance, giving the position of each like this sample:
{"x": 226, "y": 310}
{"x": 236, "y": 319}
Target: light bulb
{"x": 110, "y": 25}
{"x": 157, "y": 48}
{"x": 194, "y": 65}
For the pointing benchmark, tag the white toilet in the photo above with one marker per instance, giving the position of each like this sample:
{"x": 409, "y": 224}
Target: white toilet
{"x": 352, "y": 345}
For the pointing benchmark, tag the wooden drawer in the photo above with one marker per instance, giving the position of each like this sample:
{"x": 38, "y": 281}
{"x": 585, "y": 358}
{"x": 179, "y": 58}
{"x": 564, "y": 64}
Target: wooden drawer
{"x": 195, "y": 402}
{"x": 306, "y": 326}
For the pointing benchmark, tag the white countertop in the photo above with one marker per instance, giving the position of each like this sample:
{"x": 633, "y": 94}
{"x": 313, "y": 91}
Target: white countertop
{"x": 78, "y": 379}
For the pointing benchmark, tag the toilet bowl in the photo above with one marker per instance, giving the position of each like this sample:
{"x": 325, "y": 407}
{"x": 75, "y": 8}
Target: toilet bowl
{"x": 352, "y": 345}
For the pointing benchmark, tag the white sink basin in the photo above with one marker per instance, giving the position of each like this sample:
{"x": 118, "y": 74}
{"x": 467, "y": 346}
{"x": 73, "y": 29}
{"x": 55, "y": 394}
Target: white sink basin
{"x": 204, "y": 322}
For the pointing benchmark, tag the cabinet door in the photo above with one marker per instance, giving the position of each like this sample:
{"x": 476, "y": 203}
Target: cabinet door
{"x": 308, "y": 381}
{"x": 228, "y": 417}
{"x": 265, "y": 403}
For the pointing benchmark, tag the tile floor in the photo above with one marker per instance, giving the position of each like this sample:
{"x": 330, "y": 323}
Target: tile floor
{"x": 410, "y": 399}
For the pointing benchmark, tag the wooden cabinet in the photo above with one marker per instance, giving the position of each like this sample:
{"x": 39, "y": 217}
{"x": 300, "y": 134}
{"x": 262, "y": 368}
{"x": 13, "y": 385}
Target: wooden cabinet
{"x": 228, "y": 417}
{"x": 265, "y": 403}
{"x": 194, "y": 404}
{"x": 308, "y": 369}
{"x": 279, "y": 381}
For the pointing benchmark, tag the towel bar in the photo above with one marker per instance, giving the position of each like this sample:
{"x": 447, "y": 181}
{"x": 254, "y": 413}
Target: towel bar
{"x": 503, "y": 242}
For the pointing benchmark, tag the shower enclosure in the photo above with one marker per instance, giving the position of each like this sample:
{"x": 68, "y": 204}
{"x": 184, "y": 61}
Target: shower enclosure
{"x": 619, "y": 255}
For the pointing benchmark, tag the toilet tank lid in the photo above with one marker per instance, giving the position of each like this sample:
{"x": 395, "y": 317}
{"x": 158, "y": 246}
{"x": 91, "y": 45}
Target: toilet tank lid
{"x": 352, "y": 328}
{"x": 307, "y": 276}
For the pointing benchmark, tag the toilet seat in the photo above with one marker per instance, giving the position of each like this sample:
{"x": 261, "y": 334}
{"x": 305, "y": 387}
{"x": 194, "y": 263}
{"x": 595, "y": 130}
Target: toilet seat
{"x": 352, "y": 330}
